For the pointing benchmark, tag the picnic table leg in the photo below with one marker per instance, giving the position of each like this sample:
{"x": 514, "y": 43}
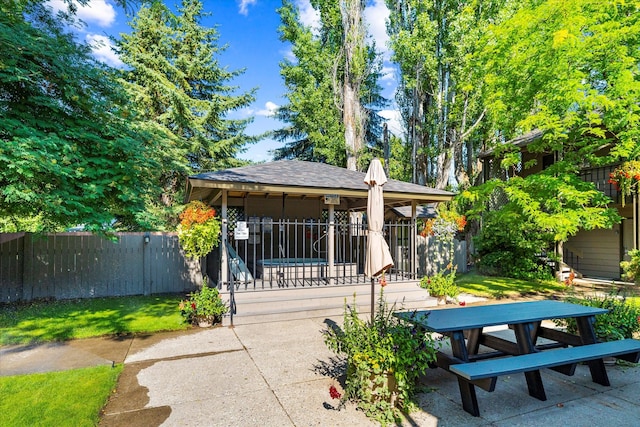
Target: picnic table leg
{"x": 524, "y": 337}
{"x": 473, "y": 340}
{"x": 588, "y": 336}
{"x": 467, "y": 390}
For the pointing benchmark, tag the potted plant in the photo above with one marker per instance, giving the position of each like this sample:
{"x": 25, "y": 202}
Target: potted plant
{"x": 384, "y": 356}
{"x": 442, "y": 285}
{"x": 203, "y": 307}
{"x": 626, "y": 178}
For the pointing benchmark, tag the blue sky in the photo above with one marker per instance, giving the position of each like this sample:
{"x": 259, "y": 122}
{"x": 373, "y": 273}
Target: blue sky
{"x": 249, "y": 28}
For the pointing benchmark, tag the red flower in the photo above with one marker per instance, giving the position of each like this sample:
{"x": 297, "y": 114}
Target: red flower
{"x": 463, "y": 303}
{"x": 193, "y": 305}
{"x": 334, "y": 393}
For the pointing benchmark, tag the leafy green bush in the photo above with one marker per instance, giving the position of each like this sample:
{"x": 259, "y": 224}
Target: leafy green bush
{"x": 631, "y": 268}
{"x": 511, "y": 248}
{"x": 622, "y": 320}
{"x": 384, "y": 360}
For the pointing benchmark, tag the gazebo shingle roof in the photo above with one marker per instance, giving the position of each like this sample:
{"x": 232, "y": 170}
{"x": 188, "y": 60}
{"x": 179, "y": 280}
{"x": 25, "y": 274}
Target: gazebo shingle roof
{"x": 305, "y": 178}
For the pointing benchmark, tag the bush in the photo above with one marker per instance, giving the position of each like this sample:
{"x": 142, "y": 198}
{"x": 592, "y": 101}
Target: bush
{"x": 631, "y": 268}
{"x": 511, "y": 249}
{"x": 622, "y": 321}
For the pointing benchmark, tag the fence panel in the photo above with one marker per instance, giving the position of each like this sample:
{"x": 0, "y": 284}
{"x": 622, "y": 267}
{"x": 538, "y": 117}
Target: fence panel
{"x": 82, "y": 265}
{"x": 11, "y": 266}
{"x": 434, "y": 255}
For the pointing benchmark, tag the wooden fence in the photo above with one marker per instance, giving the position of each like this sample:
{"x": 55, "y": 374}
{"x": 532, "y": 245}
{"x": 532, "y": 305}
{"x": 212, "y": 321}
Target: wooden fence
{"x": 83, "y": 265}
{"x": 434, "y": 255}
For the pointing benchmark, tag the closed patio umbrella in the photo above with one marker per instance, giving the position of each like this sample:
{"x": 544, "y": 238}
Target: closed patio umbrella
{"x": 378, "y": 258}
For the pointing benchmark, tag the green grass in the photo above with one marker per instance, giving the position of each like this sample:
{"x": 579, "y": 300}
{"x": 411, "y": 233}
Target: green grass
{"x": 502, "y": 287}
{"x": 71, "y": 319}
{"x": 67, "y": 398}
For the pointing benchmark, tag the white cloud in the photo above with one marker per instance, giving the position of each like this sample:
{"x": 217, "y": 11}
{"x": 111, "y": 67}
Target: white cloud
{"x": 394, "y": 121}
{"x": 308, "y": 15}
{"x": 269, "y": 109}
{"x": 103, "y": 50}
{"x": 97, "y": 12}
{"x": 244, "y": 6}
{"x": 375, "y": 15}
{"x": 388, "y": 73}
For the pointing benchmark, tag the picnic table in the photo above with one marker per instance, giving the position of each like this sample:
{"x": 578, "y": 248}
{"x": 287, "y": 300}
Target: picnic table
{"x": 465, "y": 328}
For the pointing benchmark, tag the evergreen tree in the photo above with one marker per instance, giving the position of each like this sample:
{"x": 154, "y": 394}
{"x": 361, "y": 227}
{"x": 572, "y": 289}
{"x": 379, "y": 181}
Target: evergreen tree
{"x": 175, "y": 79}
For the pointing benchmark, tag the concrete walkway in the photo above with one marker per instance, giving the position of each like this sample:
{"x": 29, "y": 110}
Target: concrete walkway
{"x": 279, "y": 374}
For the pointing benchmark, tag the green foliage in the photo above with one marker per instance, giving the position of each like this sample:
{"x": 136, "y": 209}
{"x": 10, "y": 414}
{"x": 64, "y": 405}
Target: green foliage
{"x": 508, "y": 245}
{"x": 174, "y": 76}
{"x": 440, "y": 93}
{"x": 569, "y": 68}
{"x": 376, "y": 349}
{"x": 314, "y": 117}
{"x": 631, "y": 268}
{"x": 441, "y": 284}
{"x": 622, "y": 320}
{"x": 203, "y": 304}
{"x": 41, "y": 321}
{"x": 72, "y": 149}
{"x": 72, "y": 398}
{"x": 533, "y": 214}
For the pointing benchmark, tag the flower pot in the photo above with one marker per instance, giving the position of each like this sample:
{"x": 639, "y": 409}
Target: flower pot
{"x": 205, "y": 321}
{"x": 389, "y": 380}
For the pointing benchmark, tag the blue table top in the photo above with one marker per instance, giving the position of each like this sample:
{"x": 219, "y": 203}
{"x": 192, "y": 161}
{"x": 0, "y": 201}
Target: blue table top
{"x": 473, "y": 317}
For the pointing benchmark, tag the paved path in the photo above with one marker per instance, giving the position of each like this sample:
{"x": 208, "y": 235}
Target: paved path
{"x": 279, "y": 374}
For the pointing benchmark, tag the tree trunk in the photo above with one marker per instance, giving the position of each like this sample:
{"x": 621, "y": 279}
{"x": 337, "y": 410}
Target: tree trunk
{"x": 353, "y": 46}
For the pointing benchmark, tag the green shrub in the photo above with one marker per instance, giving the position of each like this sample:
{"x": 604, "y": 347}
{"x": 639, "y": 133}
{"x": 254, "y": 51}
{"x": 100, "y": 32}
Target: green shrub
{"x": 507, "y": 247}
{"x": 622, "y": 320}
{"x": 631, "y": 268}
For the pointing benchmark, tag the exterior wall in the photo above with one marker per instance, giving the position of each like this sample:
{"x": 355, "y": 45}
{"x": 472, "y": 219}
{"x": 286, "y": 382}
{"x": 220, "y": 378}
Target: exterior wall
{"x": 598, "y": 252}
{"x": 82, "y": 265}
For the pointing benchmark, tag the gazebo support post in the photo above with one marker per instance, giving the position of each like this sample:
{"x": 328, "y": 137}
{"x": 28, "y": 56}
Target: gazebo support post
{"x": 331, "y": 244}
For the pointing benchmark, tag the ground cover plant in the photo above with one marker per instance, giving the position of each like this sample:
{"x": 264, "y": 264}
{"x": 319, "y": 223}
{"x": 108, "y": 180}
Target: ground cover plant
{"x": 70, "y": 319}
{"x": 68, "y": 398}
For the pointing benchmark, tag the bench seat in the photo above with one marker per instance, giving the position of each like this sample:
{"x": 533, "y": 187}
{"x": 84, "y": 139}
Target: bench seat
{"x": 628, "y": 349}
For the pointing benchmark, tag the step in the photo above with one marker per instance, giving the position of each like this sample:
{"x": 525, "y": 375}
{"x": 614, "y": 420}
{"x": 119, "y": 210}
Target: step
{"x": 322, "y": 301}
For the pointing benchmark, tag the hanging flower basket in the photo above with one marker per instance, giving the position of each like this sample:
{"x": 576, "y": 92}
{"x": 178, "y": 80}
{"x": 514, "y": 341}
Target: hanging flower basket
{"x": 199, "y": 229}
{"x": 626, "y": 178}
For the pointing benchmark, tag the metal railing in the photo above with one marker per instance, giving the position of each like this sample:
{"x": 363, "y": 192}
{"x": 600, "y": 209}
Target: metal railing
{"x": 294, "y": 253}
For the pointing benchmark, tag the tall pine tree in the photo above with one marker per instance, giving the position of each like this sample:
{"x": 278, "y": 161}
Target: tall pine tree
{"x": 174, "y": 76}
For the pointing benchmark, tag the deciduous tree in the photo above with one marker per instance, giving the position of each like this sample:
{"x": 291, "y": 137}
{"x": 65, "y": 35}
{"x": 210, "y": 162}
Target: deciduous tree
{"x": 73, "y": 150}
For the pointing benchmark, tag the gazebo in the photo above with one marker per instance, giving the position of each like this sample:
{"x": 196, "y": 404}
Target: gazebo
{"x": 301, "y": 200}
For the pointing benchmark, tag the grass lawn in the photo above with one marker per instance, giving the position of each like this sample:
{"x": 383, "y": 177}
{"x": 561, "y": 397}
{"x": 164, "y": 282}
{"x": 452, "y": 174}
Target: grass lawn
{"x": 502, "y": 287}
{"x": 70, "y": 319}
{"x": 68, "y": 398}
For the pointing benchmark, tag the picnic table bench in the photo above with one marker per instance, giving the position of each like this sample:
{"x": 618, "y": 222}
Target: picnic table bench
{"x": 465, "y": 328}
